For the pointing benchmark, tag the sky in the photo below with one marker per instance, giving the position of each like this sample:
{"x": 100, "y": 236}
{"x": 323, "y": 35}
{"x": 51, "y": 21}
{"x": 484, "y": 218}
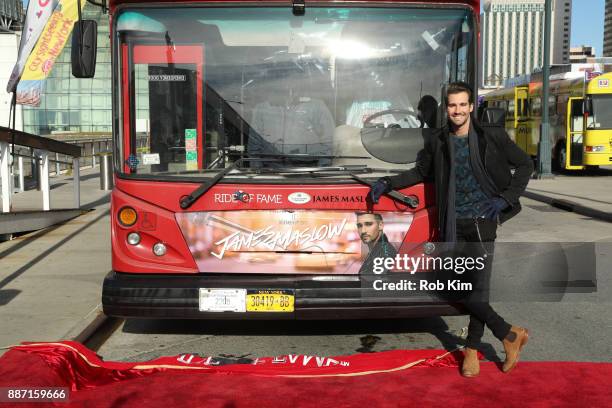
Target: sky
{"x": 587, "y": 23}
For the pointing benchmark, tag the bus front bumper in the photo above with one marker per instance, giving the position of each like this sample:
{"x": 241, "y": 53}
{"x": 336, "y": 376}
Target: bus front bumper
{"x": 597, "y": 159}
{"x": 316, "y": 297}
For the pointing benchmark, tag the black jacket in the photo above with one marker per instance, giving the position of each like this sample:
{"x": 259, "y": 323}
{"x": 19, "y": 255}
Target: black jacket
{"x": 382, "y": 249}
{"x": 498, "y": 153}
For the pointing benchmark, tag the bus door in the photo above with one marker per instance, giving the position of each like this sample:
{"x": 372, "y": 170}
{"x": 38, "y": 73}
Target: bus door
{"x": 163, "y": 120}
{"x": 521, "y": 124}
{"x": 575, "y": 134}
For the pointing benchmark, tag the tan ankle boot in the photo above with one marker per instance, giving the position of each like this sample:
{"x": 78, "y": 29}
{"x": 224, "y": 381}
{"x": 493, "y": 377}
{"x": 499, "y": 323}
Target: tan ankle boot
{"x": 471, "y": 365}
{"x": 513, "y": 343}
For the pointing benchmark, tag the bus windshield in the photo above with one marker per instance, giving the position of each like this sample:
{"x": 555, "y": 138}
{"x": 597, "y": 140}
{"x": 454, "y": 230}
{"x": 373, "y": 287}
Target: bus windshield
{"x": 203, "y": 87}
{"x": 601, "y": 117}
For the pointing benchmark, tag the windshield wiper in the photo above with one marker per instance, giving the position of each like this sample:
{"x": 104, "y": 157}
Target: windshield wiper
{"x": 411, "y": 201}
{"x": 186, "y": 201}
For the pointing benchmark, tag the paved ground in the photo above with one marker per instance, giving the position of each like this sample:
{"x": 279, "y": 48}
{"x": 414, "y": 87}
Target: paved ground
{"x": 50, "y": 280}
{"x": 591, "y": 189}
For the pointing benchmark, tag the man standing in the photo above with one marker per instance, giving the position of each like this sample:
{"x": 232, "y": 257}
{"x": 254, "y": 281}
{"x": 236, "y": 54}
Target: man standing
{"x": 475, "y": 190}
{"x": 370, "y": 228}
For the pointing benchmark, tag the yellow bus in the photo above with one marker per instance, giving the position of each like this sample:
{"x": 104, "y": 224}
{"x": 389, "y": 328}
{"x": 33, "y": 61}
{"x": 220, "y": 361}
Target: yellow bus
{"x": 514, "y": 101}
{"x": 598, "y": 126}
{"x": 580, "y": 113}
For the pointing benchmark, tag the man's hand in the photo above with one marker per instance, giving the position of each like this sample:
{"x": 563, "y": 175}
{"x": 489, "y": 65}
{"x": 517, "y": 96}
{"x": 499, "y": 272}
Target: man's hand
{"x": 380, "y": 187}
{"x": 493, "y": 207}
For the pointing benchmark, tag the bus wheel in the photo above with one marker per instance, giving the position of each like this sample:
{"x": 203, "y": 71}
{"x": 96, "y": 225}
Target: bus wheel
{"x": 560, "y": 155}
{"x": 592, "y": 168}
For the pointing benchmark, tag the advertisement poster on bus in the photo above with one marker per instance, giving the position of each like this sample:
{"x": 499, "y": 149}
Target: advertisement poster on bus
{"x": 289, "y": 242}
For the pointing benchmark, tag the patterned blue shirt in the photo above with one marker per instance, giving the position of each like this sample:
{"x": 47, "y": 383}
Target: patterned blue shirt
{"x": 469, "y": 196}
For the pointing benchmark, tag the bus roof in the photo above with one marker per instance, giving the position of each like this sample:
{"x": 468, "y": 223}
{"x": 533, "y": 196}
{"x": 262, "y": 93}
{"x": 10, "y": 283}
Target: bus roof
{"x": 575, "y": 84}
{"x": 502, "y": 93}
{"x": 566, "y": 83}
{"x": 572, "y": 83}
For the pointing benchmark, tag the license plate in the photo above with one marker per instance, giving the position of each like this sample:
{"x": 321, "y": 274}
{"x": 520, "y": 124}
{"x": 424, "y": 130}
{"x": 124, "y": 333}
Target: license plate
{"x": 270, "y": 301}
{"x": 222, "y": 300}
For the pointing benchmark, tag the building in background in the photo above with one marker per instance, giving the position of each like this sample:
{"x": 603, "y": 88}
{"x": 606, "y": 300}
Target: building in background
{"x": 582, "y": 54}
{"x": 11, "y": 15}
{"x": 607, "y": 40}
{"x": 561, "y": 31}
{"x": 11, "y": 22}
{"x": 75, "y": 105}
{"x": 513, "y": 38}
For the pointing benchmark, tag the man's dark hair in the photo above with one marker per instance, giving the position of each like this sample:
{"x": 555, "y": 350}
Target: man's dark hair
{"x": 428, "y": 108}
{"x": 458, "y": 87}
{"x": 377, "y": 216}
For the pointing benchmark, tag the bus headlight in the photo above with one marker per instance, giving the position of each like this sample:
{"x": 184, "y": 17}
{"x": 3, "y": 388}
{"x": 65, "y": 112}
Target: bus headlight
{"x": 594, "y": 149}
{"x": 159, "y": 249}
{"x": 133, "y": 238}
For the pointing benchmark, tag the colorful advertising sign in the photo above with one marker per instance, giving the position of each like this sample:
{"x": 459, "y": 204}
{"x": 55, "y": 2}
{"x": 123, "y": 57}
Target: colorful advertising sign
{"x": 50, "y": 44}
{"x": 289, "y": 242}
{"x": 37, "y": 15}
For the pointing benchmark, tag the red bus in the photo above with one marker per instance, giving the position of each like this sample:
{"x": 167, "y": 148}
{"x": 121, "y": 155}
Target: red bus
{"x": 246, "y": 134}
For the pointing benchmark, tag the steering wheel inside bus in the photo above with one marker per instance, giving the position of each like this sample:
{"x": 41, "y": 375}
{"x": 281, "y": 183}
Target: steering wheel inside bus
{"x": 405, "y": 112}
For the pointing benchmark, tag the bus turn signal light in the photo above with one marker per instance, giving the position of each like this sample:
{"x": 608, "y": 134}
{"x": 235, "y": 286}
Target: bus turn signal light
{"x": 594, "y": 149}
{"x": 127, "y": 216}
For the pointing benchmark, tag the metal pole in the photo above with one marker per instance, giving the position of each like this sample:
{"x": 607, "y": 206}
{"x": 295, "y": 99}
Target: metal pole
{"x": 106, "y": 171}
{"x": 76, "y": 177}
{"x": 57, "y": 165}
{"x": 34, "y": 168}
{"x": 544, "y": 147}
{"x": 21, "y": 176}
{"x": 44, "y": 180}
{"x": 5, "y": 176}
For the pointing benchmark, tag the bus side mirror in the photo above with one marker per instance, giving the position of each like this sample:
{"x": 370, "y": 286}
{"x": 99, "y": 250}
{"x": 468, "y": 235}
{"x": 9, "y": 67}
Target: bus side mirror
{"x": 84, "y": 47}
{"x": 493, "y": 117}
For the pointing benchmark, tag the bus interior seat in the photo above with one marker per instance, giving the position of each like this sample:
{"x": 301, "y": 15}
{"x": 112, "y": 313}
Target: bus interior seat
{"x": 286, "y": 88}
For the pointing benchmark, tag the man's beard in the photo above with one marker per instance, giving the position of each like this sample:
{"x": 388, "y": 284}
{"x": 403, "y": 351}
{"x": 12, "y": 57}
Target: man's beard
{"x": 372, "y": 241}
{"x": 465, "y": 119}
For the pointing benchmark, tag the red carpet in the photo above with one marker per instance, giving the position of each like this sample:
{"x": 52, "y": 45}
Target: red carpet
{"x": 394, "y": 378}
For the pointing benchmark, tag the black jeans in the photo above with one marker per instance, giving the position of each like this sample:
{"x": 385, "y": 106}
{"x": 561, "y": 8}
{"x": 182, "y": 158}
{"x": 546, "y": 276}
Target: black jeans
{"x": 477, "y": 239}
